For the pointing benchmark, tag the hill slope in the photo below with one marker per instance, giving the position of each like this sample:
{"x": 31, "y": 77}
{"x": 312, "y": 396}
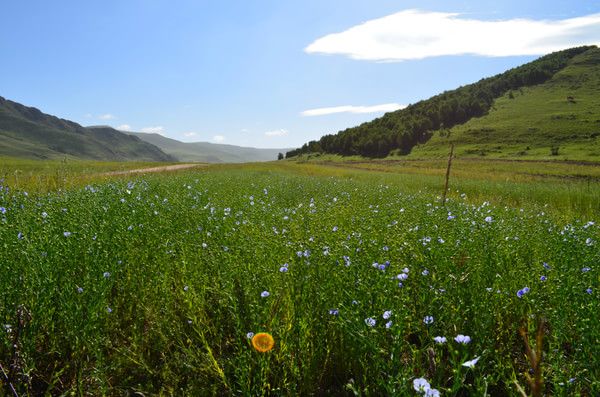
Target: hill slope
{"x": 559, "y": 119}
{"x": 209, "y": 152}
{"x": 29, "y": 133}
{"x": 401, "y": 130}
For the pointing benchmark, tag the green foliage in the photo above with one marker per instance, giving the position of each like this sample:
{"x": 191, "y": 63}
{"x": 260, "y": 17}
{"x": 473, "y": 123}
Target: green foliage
{"x": 403, "y": 129}
{"x": 151, "y": 285}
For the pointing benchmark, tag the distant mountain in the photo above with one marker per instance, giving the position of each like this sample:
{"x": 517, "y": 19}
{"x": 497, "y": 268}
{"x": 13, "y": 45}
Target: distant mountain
{"x": 208, "y": 152}
{"x": 533, "y": 108}
{"x": 27, "y": 132}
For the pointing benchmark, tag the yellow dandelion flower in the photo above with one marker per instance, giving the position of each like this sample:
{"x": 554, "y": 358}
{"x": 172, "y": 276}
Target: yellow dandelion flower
{"x": 263, "y": 342}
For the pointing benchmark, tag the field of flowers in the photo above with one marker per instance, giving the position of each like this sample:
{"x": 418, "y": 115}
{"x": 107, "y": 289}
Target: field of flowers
{"x": 257, "y": 282}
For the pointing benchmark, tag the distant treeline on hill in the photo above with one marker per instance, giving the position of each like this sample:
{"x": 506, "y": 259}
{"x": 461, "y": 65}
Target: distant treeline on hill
{"x": 401, "y": 130}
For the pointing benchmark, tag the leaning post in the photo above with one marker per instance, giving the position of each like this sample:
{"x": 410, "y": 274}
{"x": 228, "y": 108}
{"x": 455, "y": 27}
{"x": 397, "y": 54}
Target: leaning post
{"x": 448, "y": 173}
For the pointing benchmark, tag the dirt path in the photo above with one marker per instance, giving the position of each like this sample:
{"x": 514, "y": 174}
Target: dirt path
{"x": 174, "y": 167}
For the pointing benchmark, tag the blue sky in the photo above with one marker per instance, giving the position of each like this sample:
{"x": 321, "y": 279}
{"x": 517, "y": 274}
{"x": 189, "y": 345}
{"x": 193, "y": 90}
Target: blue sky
{"x": 265, "y": 73}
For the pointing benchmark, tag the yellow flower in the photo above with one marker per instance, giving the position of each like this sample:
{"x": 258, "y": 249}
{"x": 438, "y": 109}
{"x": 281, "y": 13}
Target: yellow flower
{"x": 263, "y": 342}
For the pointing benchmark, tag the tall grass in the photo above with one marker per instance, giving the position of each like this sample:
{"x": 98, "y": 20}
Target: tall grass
{"x": 153, "y": 284}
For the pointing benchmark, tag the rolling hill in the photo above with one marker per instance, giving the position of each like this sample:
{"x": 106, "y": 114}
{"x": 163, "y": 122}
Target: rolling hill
{"x": 208, "y": 152}
{"x": 559, "y": 119}
{"x": 548, "y": 107}
{"x": 28, "y": 133}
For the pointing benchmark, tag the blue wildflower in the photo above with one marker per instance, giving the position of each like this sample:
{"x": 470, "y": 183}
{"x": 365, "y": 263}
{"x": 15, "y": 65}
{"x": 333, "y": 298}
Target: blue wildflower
{"x": 428, "y": 320}
{"x": 334, "y": 312}
{"x": 432, "y": 393}
{"x": 522, "y": 292}
{"x": 421, "y": 385}
{"x": 440, "y": 340}
{"x": 543, "y": 278}
{"x": 462, "y": 339}
{"x": 370, "y": 321}
{"x": 264, "y": 294}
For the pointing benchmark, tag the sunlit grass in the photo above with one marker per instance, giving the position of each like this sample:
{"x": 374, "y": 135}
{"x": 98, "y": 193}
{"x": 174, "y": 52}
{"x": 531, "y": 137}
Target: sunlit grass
{"x": 157, "y": 284}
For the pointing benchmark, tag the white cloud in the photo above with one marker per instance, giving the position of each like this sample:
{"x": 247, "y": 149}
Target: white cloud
{"x": 218, "y": 138}
{"x": 106, "y": 116}
{"x": 386, "y": 107}
{"x": 416, "y": 34}
{"x": 189, "y": 134}
{"x": 124, "y": 127}
{"x": 280, "y": 132}
{"x": 160, "y": 130}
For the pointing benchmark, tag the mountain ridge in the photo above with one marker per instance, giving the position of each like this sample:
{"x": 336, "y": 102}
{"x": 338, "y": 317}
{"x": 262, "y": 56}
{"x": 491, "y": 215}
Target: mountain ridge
{"x": 29, "y": 133}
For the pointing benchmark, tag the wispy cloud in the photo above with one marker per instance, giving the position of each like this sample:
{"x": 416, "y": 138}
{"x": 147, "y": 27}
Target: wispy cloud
{"x": 416, "y": 34}
{"x": 280, "y": 132}
{"x": 218, "y": 138}
{"x": 106, "y": 116}
{"x": 189, "y": 134}
{"x": 159, "y": 129}
{"x": 386, "y": 107}
{"x": 124, "y": 127}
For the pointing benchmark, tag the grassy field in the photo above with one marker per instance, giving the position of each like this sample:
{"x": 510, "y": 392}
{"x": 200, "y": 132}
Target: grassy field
{"x": 154, "y": 284}
{"x": 52, "y": 175}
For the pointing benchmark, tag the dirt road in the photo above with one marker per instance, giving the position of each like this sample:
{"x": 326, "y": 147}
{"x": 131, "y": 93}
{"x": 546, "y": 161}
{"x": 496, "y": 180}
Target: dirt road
{"x": 174, "y": 167}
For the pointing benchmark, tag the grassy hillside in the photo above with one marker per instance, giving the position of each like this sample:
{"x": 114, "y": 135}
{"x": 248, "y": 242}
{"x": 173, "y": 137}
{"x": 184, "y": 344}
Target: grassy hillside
{"x": 209, "y": 152}
{"x": 559, "y": 119}
{"x": 26, "y": 132}
{"x": 400, "y": 131}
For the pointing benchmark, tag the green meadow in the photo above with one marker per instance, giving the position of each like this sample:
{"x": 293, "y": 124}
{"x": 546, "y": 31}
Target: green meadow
{"x": 154, "y": 284}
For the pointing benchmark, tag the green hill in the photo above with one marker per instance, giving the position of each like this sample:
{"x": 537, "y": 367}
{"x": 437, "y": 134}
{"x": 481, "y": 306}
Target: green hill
{"x": 546, "y": 103}
{"x": 559, "y": 119}
{"x": 209, "y": 152}
{"x": 28, "y": 133}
